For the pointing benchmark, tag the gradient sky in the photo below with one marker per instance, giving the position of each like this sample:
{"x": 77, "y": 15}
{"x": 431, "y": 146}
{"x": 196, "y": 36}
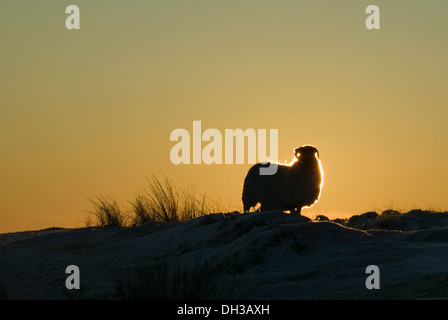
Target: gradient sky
{"x": 90, "y": 111}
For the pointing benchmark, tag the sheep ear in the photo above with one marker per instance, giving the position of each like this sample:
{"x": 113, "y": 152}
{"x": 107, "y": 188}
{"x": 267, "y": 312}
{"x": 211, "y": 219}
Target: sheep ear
{"x": 297, "y": 151}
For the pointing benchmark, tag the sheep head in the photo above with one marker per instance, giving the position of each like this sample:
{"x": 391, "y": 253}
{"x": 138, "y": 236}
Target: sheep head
{"x": 306, "y": 151}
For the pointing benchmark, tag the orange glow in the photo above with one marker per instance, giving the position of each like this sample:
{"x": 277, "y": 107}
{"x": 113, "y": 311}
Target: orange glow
{"x": 321, "y": 183}
{"x": 90, "y": 111}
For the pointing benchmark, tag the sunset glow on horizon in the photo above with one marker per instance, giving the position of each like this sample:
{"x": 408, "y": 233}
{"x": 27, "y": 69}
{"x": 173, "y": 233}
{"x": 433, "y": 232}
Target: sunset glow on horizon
{"x": 90, "y": 111}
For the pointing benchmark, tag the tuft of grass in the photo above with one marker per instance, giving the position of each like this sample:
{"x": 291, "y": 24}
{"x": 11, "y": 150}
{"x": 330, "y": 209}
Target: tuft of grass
{"x": 141, "y": 210}
{"x": 107, "y": 212}
{"x": 174, "y": 279}
{"x": 162, "y": 201}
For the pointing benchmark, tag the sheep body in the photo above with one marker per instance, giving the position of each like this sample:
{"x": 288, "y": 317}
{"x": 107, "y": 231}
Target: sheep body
{"x": 291, "y": 188}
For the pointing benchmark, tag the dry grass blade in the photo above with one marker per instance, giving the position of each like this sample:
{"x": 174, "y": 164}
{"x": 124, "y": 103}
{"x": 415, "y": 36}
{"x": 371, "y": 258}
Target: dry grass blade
{"x": 107, "y": 212}
{"x": 173, "y": 279}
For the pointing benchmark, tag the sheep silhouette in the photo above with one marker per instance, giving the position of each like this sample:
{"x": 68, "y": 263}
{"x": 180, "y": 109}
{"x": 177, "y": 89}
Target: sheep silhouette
{"x": 291, "y": 188}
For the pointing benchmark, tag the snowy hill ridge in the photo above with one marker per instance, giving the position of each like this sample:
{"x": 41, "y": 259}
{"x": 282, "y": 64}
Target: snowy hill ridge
{"x": 268, "y": 255}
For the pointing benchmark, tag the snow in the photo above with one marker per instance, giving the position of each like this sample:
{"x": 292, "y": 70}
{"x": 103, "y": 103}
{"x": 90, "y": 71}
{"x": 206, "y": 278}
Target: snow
{"x": 268, "y": 255}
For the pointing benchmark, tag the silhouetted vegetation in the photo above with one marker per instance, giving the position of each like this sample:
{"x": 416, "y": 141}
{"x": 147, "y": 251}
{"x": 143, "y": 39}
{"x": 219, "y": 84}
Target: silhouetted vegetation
{"x": 107, "y": 212}
{"x": 172, "y": 279}
{"x": 161, "y": 201}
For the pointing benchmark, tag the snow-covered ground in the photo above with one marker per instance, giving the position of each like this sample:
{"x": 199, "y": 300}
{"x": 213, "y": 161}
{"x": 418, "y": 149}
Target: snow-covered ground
{"x": 269, "y": 255}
